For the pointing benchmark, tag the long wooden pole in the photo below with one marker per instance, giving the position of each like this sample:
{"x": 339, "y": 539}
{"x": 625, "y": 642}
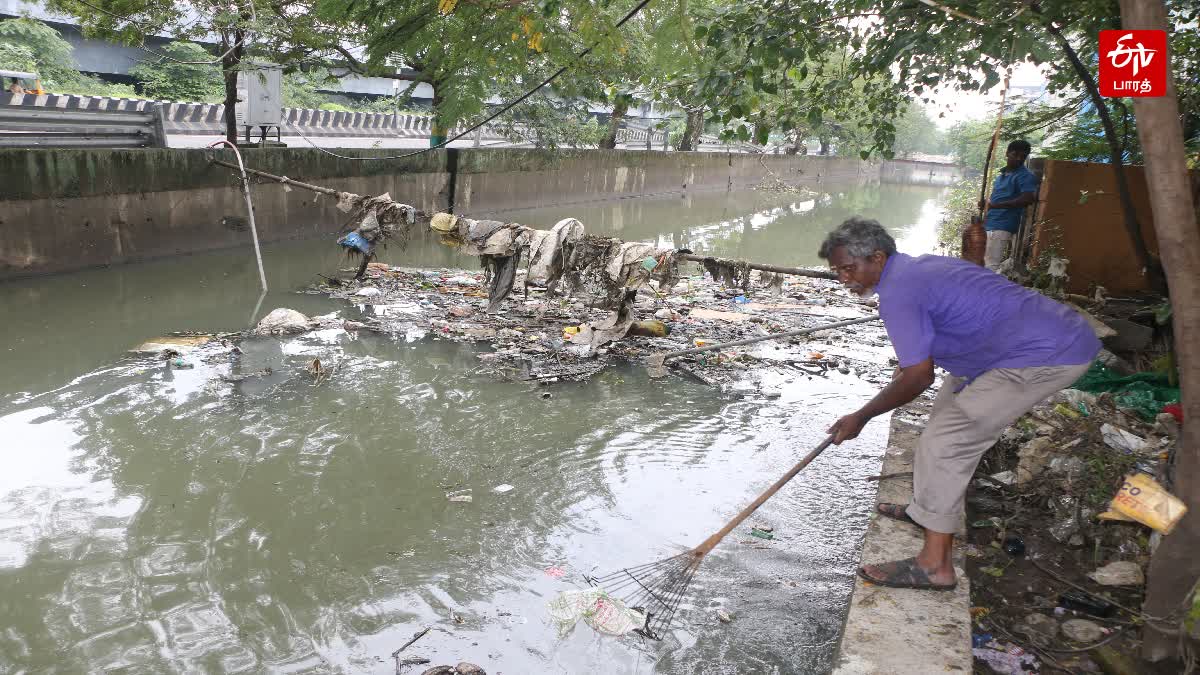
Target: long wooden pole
{"x": 987, "y": 165}
{"x": 712, "y": 541}
{"x": 798, "y": 271}
{"x": 281, "y": 179}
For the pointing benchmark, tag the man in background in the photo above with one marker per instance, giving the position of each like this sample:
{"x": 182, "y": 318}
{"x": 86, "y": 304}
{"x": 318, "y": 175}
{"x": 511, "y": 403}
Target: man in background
{"x": 1015, "y": 188}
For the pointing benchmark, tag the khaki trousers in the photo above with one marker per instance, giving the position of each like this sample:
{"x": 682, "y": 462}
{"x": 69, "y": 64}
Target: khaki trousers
{"x": 963, "y": 426}
{"x": 997, "y": 249}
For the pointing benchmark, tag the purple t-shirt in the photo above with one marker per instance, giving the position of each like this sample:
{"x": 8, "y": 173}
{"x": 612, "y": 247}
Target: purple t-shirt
{"x": 970, "y": 319}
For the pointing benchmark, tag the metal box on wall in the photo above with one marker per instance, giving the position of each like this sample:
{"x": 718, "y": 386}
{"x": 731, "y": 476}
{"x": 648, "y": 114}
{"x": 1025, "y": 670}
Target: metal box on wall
{"x": 260, "y": 96}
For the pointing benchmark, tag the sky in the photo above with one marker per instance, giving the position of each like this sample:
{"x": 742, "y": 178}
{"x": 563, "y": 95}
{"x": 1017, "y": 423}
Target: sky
{"x": 959, "y": 105}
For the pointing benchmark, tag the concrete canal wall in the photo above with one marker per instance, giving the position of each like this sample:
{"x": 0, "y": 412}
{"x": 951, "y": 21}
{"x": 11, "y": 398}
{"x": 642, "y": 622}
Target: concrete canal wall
{"x": 69, "y": 209}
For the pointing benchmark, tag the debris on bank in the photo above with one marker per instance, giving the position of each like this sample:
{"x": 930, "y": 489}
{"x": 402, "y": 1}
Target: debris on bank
{"x": 1083, "y": 482}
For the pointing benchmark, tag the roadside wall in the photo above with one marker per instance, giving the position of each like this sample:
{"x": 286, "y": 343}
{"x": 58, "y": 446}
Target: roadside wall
{"x": 69, "y": 209}
{"x": 917, "y": 172}
{"x": 1079, "y": 215}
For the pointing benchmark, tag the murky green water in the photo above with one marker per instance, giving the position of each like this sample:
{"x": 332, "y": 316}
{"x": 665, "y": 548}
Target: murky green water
{"x": 156, "y": 520}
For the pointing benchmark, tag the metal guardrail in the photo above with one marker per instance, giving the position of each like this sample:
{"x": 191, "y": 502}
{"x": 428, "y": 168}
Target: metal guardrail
{"x": 23, "y": 126}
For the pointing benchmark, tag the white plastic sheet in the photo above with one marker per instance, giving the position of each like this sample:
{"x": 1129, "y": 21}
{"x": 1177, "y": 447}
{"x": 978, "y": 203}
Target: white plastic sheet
{"x": 604, "y": 613}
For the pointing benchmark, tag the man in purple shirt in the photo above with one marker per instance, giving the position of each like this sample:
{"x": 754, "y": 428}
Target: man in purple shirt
{"x": 1005, "y": 349}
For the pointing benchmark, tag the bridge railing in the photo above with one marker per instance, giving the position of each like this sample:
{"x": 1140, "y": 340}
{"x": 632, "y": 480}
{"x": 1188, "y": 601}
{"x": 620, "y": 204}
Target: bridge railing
{"x": 31, "y": 126}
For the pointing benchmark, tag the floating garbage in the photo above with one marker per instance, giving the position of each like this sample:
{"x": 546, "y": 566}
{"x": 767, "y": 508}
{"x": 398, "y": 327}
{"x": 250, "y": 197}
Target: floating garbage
{"x": 368, "y": 292}
{"x": 604, "y": 613}
{"x": 282, "y": 321}
{"x": 761, "y": 534}
{"x": 177, "y": 343}
{"x": 501, "y": 489}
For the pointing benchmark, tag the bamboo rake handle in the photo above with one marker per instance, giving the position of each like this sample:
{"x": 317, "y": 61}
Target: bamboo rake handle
{"x": 711, "y": 542}
{"x": 773, "y": 336}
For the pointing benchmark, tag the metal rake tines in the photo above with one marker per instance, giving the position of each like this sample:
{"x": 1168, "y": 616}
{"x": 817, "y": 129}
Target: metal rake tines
{"x": 656, "y": 589}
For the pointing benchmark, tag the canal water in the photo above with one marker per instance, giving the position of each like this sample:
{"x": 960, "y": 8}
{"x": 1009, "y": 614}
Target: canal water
{"x": 157, "y": 520}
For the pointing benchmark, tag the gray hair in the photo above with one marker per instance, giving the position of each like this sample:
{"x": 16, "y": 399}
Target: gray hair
{"x": 861, "y": 237}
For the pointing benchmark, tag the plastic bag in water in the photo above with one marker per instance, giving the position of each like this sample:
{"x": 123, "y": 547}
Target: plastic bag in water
{"x": 604, "y": 613}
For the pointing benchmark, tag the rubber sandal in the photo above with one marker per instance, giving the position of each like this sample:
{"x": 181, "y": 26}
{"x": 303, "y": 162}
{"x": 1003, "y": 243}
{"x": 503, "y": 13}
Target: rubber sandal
{"x": 899, "y": 513}
{"x": 906, "y": 574}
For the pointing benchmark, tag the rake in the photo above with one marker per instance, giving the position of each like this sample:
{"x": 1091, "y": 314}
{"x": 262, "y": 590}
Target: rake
{"x": 656, "y": 589}
{"x": 656, "y": 364}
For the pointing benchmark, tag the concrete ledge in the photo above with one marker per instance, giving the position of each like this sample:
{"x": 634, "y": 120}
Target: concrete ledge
{"x": 891, "y": 631}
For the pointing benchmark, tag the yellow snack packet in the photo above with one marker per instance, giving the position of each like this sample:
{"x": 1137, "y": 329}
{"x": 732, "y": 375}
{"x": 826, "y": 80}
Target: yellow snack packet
{"x": 1144, "y": 500}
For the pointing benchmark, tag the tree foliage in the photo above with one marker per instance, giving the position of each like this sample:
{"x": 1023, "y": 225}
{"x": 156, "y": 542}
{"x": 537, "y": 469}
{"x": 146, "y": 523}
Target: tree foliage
{"x": 281, "y": 31}
{"x": 1079, "y": 136}
{"x": 883, "y": 53}
{"x": 968, "y": 142}
{"x": 38, "y": 47}
{"x": 184, "y": 72}
{"x": 916, "y": 132}
{"x": 17, "y": 57}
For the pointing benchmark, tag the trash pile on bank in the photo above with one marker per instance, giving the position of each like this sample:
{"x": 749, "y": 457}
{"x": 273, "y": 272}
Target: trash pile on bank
{"x": 1064, "y": 514}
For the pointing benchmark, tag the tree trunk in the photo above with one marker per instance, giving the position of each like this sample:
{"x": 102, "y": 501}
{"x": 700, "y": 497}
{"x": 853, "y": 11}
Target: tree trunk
{"x": 1175, "y": 565}
{"x": 439, "y": 129}
{"x": 692, "y": 130}
{"x": 620, "y": 107}
{"x": 230, "y": 60}
{"x": 799, "y": 144}
{"x": 1152, "y": 266}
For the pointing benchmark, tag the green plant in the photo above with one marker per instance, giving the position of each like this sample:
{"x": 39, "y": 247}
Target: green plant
{"x": 17, "y": 57}
{"x": 300, "y": 90}
{"x": 90, "y": 86}
{"x": 960, "y": 205}
{"x": 184, "y": 72}
{"x": 35, "y": 46}
{"x": 1105, "y": 469}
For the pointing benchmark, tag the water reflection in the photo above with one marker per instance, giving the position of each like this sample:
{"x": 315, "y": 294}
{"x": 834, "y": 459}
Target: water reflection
{"x": 781, "y": 229}
{"x": 190, "y": 524}
{"x": 225, "y": 520}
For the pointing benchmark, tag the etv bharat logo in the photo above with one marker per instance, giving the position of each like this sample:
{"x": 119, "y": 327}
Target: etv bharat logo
{"x": 1133, "y": 63}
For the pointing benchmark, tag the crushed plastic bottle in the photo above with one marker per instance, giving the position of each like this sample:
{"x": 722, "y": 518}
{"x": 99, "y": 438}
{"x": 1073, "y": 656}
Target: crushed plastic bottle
{"x": 598, "y": 609}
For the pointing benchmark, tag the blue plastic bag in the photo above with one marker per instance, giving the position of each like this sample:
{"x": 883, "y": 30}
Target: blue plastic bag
{"x": 356, "y": 241}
